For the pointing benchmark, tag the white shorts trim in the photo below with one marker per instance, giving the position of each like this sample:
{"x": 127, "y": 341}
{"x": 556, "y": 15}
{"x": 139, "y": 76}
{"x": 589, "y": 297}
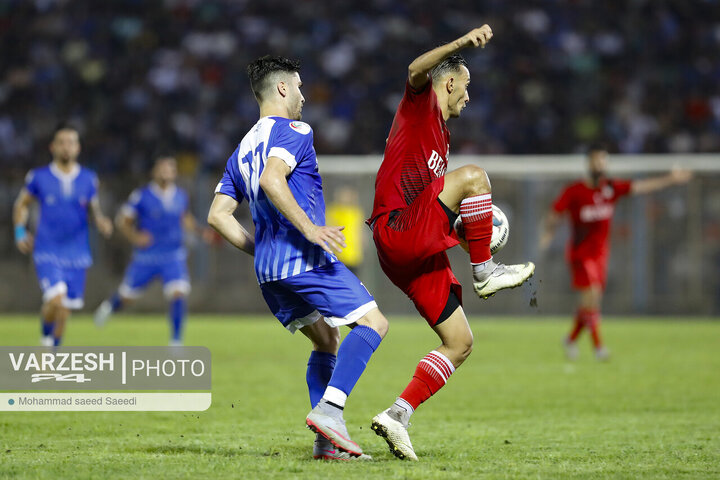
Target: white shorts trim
{"x": 60, "y": 288}
{"x": 176, "y": 286}
{"x": 351, "y": 317}
{"x": 126, "y": 291}
{"x": 299, "y": 323}
{"x": 73, "y": 303}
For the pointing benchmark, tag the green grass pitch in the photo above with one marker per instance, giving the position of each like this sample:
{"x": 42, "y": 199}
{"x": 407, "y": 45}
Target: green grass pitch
{"x": 516, "y": 409}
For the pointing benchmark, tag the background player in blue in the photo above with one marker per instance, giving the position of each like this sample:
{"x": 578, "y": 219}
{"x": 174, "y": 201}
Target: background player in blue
{"x": 303, "y": 283}
{"x": 65, "y": 192}
{"x": 153, "y": 220}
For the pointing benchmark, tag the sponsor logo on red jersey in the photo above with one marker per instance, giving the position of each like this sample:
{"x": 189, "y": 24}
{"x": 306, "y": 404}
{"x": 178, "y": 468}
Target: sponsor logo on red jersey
{"x": 596, "y": 213}
{"x": 437, "y": 164}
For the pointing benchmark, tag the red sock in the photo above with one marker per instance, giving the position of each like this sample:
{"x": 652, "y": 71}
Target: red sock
{"x": 578, "y": 326}
{"x": 593, "y": 323}
{"x": 476, "y": 214}
{"x": 430, "y": 375}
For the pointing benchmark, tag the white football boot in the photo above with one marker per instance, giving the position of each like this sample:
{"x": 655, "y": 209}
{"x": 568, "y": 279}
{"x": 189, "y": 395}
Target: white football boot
{"x": 395, "y": 434}
{"x": 571, "y": 349}
{"x": 324, "y": 450}
{"x": 498, "y": 276}
{"x": 602, "y": 354}
{"x": 328, "y": 421}
{"x": 102, "y": 314}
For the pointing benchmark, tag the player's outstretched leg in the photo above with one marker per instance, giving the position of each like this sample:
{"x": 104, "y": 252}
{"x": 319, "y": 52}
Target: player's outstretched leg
{"x": 55, "y": 315}
{"x": 431, "y": 374}
{"x": 107, "y": 308}
{"x": 467, "y": 191}
{"x": 46, "y": 327}
{"x": 570, "y": 342}
{"x": 320, "y": 367}
{"x": 326, "y": 418}
{"x": 588, "y": 316}
{"x": 176, "y": 316}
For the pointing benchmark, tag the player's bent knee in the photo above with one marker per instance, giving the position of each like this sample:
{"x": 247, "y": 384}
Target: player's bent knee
{"x": 177, "y": 294}
{"x": 375, "y": 320}
{"x": 330, "y": 341}
{"x": 475, "y": 179}
{"x": 54, "y": 306}
{"x": 461, "y": 348}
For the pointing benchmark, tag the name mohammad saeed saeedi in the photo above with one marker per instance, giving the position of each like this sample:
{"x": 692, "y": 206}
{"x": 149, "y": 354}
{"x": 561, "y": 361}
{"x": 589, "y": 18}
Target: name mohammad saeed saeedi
{"x": 81, "y": 401}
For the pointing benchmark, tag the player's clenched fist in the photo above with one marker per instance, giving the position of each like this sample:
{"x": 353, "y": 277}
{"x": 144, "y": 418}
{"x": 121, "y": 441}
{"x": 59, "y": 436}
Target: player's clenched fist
{"x": 478, "y": 37}
{"x": 327, "y": 238}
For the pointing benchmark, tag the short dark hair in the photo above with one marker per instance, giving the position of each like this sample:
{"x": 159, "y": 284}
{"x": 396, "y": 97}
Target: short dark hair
{"x": 64, "y": 126}
{"x": 263, "y": 68}
{"x": 450, "y": 64}
{"x": 597, "y": 147}
{"x": 164, "y": 157}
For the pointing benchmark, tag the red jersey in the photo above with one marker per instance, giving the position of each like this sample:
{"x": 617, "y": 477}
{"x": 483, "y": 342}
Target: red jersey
{"x": 416, "y": 152}
{"x": 591, "y": 211}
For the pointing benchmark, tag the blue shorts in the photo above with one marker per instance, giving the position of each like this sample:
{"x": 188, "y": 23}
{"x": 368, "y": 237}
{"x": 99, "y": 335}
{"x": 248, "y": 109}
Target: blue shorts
{"x": 330, "y": 291}
{"x": 138, "y": 275}
{"x": 56, "y": 280}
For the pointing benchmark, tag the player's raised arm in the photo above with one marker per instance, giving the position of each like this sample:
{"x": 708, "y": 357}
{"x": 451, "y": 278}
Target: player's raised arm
{"x": 273, "y": 181}
{"x": 21, "y": 213}
{"x": 220, "y": 217}
{"x": 675, "y": 177}
{"x": 420, "y": 67}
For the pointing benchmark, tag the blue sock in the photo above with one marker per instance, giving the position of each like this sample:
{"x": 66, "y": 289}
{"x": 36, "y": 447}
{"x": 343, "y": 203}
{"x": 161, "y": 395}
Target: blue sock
{"x": 47, "y": 327}
{"x": 320, "y": 369}
{"x": 354, "y": 353}
{"x": 178, "y": 309}
{"x": 56, "y": 341}
{"x": 116, "y": 302}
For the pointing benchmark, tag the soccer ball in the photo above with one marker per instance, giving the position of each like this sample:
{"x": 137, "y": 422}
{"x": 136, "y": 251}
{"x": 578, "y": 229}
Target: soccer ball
{"x": 501, "y": 230}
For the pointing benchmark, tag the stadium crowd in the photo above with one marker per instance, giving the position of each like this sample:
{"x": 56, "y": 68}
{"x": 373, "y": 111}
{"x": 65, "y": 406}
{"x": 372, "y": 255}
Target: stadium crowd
{"x": 139, "y": 77}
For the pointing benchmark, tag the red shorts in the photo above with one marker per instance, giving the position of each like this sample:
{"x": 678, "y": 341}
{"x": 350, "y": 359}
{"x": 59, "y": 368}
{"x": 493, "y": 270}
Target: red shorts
{"x": 588, "y": 272}
{"x": 411, "y": 245}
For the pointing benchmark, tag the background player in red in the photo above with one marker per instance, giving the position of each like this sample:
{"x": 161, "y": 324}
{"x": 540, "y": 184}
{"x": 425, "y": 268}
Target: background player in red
{"x": 415, "y": 208}
{"x": 590, "y": 204}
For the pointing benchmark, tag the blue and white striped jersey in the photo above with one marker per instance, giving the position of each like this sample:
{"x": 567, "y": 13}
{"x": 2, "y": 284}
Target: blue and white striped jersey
{"x": 281, "y": 251}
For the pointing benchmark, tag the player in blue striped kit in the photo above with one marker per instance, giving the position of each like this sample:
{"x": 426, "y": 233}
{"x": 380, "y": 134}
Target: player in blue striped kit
{"x": 275, "y": 169}
{"x": 154, "y": 220}
{"x": 66, "y": 192}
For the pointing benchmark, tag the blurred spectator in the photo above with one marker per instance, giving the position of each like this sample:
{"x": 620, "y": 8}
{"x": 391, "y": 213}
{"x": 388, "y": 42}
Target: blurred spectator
{"x": 170, "y": 75}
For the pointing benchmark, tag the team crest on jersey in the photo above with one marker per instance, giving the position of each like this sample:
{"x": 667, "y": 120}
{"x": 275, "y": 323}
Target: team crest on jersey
{"x": 300, "y": 127}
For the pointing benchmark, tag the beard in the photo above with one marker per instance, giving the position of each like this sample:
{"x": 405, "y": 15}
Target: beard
{"x": 64, "y": 158}
{"x": 596, "y": 177}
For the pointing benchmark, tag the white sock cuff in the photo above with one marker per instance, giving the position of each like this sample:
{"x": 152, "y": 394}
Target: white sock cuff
{"x": 483, "y": 197}
{"x": 335, "y": 395}
{"x": 445, "y": 359}
{"x": 402, "y": 403}
{"x": 473, "y": 208}
{"x": 438, "y": 363}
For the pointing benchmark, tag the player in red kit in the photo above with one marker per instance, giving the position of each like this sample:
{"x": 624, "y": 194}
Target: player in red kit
{"x": 590, "y": 204}
{"x": 416, "y": 205}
